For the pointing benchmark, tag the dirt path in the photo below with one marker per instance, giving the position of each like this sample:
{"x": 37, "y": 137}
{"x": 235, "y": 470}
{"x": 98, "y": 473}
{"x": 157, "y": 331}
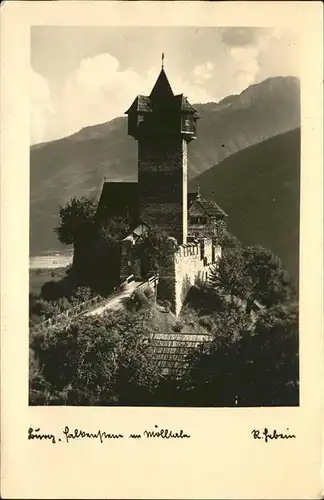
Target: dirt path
{"x": 116, "y": 303}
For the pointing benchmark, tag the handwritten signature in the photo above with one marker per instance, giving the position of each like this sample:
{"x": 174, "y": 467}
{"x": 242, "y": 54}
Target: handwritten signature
{"x": 266, "y": 435}
{"x": 67, "y": 436}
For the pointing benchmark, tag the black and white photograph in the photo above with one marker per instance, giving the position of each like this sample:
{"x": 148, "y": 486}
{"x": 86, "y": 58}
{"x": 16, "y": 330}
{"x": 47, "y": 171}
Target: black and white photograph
{"x": 164, "y": 216}
{"x": 161, "y": 249}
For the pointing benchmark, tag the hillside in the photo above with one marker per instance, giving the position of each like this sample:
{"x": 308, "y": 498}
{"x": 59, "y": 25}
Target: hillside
{"x": 258, "y": 187}
{"x": 76, "y": 165}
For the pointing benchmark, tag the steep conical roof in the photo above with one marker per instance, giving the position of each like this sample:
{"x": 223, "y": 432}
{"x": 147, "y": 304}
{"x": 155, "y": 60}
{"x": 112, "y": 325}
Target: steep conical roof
{"x": 162, "y": 87}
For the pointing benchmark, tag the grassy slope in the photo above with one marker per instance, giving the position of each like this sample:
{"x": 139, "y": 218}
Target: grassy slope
{"x": 258, "y": 187}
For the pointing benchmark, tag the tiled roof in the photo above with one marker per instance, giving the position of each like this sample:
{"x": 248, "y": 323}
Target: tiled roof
{"x": 142, "y": 103}
{"x": 171, "y": 350}
{"x": 211, "y": 208}
{"x": 162, "y": 93}
{"x": 184, "y": 104}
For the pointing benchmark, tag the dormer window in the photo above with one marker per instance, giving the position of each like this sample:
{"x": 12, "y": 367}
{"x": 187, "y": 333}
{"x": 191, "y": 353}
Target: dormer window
{"x": 198, "y": 220}
{"x": 187, "y": 125}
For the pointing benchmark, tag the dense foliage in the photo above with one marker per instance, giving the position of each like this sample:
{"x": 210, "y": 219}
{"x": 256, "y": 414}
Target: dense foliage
{"x": 105, "y": 360}
{"x": 96, "y": 257}
{"x": 155, "y": 250}
{"x": 251, "y": 274}
{"x": 76, "y": 220}
{"x": 246, "y": 308}
{"x": 246, "y": 366}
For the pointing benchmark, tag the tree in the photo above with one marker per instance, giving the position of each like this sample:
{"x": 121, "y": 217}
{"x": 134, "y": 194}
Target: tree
{"x": 229, "y": 241}
{"x": 113, "y": 231}
{"x": 251, "y": 273}
{"x": 155, "y": 250}
{"x": 268, "y": 365}
{"x": 105, "y": 260}
{"x": 210, "y": 379}
{"x": 76, "y": 219}
{"x": 270, "y": 282}
{"x": 244, "y": 366}
{"x": 230, "y": 276}
{"x": 77, "y": 226}
{"x": 102, "y": 360}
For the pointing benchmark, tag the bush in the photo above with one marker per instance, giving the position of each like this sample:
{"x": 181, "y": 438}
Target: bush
{"x": 141, "y": 300}
{"x": 83, "y": 293}
{"x": 50, "y": 290}
{"x": 256, "y": 367}
{"x": 178, "y": 326}
{"x": 167, "y": 305}
{"x": 131, "y": 304}
{"x": 103, "y": 360}
{"x": 149, "y": 294}
{"x": 206, "y": 322}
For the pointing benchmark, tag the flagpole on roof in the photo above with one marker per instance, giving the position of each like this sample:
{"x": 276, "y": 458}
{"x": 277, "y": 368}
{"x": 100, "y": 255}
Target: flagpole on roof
{"x": 162, "y": 65}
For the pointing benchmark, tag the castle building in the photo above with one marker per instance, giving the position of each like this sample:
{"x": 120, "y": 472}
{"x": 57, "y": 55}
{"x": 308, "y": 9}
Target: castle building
{"x": 163, "y": 125}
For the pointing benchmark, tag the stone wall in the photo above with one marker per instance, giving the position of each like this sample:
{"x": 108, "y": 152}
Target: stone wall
{"x": 191, "y": 265}
{"x": 162, "y": 184}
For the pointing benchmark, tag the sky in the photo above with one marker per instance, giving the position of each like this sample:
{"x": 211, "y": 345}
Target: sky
{"x": 83, "y": 76}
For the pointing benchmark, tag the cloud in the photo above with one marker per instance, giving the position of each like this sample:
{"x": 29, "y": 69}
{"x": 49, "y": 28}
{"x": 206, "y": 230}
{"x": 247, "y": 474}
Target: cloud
{"x": 203, "y": 72}
{"x": 245, "y": 66}
{"x": 41, "y": 106}
{"x": 240, "y": 37}
{"x": 99, "y": 90}
{"x": 258, "y": 53}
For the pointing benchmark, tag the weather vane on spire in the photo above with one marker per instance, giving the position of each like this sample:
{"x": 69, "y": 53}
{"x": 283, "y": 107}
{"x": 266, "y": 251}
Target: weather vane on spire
{"x": 162, "y": 60}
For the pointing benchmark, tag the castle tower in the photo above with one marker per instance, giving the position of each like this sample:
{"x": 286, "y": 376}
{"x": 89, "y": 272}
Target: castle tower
{"x": 163, "y": 124}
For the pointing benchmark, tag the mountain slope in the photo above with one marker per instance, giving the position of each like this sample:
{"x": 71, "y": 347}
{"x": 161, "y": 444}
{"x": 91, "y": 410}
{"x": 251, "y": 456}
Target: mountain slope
{"x": 259, "y": 189}
{"x": 76, "y": 165}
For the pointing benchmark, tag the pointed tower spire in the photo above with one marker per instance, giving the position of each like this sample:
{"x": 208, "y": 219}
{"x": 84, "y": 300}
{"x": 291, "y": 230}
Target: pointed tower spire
{"x": 162, "y": 87}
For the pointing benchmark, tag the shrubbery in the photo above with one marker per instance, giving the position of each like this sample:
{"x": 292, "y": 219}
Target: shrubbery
{"x": 41, "y": 308}
{"x": 244, "y": 366}
{"x": 252, "y": 359}
{"x": 251, "y": 273}
{"x": 149, "y": 294}
{"x": 106, "y": 360}
{"x": 178, "y": 326}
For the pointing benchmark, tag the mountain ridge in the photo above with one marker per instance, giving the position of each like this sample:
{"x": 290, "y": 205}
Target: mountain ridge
{"x": 259, "y": 189}
{"x": 77, "y": 165}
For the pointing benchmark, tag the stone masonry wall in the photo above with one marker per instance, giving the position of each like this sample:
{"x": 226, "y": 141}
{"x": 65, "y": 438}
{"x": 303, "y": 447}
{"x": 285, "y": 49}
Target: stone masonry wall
{"x": 191, "y": 265}
{"x": 162, "y": 182}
